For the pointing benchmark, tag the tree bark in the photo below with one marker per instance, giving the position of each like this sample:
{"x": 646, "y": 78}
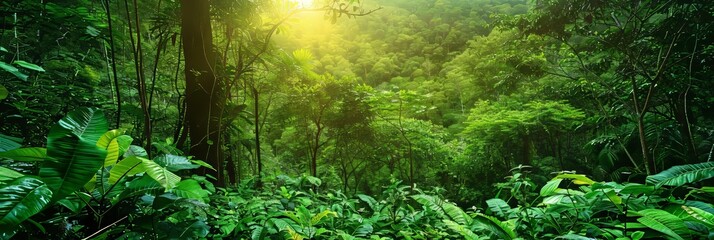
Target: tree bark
{"x": 256, "y": 115}
{"x": 205, "y": 92}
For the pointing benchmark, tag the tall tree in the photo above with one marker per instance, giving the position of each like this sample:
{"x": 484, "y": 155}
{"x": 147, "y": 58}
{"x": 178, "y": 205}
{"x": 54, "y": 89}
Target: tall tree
{"x": 205, "y": 98}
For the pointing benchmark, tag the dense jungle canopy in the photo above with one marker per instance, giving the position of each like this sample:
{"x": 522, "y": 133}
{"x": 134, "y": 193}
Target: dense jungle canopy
{"x": 356, "y": 119}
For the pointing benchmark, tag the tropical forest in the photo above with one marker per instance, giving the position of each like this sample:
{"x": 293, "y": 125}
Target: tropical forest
{"x": 357, "y": 119}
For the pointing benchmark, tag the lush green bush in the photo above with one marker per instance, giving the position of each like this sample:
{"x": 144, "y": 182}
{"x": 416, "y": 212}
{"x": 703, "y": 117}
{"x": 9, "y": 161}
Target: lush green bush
{"x": 91, "y": 181}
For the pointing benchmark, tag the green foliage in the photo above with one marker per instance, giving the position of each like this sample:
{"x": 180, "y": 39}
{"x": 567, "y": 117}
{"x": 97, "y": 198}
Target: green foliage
{"x": 72, "y": 152}
{"x": 664, "y": 222}
{"x": 680, "y": 175}
{"x": 573, "y": 206}
{"x": 73, "y": 175}
{"x": 26, "y": 154}
{"x": 447, "y": 95}
{"x": 443, "y": 209}
{"x": 22, "y": 198}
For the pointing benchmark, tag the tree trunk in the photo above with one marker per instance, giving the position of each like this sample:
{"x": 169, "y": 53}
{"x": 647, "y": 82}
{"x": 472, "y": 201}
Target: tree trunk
{"x": 256, "y": 119}
{"x": 650, "y": 167}
{"x": 315, "y": 149}
{"x": 526, "y": 150}
{"x": 682, "y": 114}
{"x": 205, "y": 93}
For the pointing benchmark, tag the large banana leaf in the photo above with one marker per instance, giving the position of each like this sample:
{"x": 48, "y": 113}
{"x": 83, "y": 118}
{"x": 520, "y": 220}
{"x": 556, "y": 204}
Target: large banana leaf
{"x": 34, "y": 154}
{"x": 683, "y": 174}
{"x": 8, "y": 143}
{"x": 127, "y": 167}
{"x": 664, "y": 222}
{"x": 139, "y": 187}
{"x": 75, "y": 203}
{"x": 109, "y": 141}
{"x": 73, "y": 157}
{"x": 7, "y": 174}
{"x": 22, "y": 198}
{"x": 166, "y": 178}
{"x": 134, "y": 150}
{"x": 700, "y": 215}
{"x": 88, "y": 124}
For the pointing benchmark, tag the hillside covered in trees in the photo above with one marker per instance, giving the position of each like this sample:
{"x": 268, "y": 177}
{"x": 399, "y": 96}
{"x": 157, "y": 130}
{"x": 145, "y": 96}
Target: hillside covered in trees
{"x": 356, "y": 119}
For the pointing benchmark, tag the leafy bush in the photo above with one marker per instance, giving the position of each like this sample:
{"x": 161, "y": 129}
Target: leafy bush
{"x": 90, "y": 182}
{"x": 86, "y": 179}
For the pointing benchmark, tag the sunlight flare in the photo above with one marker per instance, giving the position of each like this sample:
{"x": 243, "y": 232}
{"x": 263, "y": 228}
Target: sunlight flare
{"x": 304, "y": 3}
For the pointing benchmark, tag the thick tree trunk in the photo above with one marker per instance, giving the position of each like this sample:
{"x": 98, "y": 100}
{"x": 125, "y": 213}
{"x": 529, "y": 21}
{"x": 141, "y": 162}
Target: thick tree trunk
{"x": 205, "y": 92}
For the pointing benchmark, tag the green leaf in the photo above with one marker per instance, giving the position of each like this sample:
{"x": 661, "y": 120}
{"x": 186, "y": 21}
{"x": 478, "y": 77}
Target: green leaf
{"x": 313, "y": 180}
{"x": 498, "y": 207}
{"x": 464, "y": 231}
{"x": 197, "y": 230}
{"x": 8, "y": 143}
{"x": 579, "y": 179}
{"x": 203, "y": 164}
{"x": 134, "y": 150}
{"x": 107, "y": 137}
{"x": 7, "y": 174}
{"x": 166, "y": 178}
{"x": 443, "y": 209}
{"x": 73, "y": 157}
{"x": 550, "y": 187}
{"x": 92, "y": 31}
{"x": 613, "y": 197}
{"x": 493, "y": 226}
{"x": 664, "y": 222}
{"x": 26, "y": 154}
{"x": 124, "y": 142}
{"x": 9, "y": 68}
{"x": 175, "y": 163}
{"x": 636, "y": 188}
{"x": 190, "y": 189}
{"x": 282, "y": 225}
{"x": 138, "y": 187}
{"x": 637, "y": 235}
{"x": 108, "y": 142}
{"x": 75, "y": 203}
{"x": 701, "y": 215}
{"x": 127, "y": 167}
{"x": 683, "y": 174}
{"x": 258, "y": 233}
{"x": 318, "y": 217}
{"x": 22, "y": 198}
{"x": 371, "y": 202}
{"x": 3, "y": 92}
{"x": 30, "y": 66}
